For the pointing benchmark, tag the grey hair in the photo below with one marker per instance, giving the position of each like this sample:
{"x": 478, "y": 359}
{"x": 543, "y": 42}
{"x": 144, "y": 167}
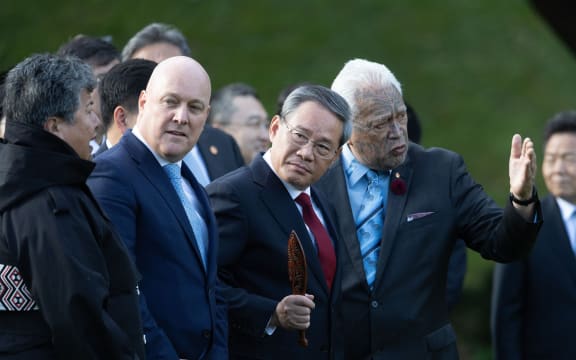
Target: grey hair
{"x": 221, "y": 107}
{"x": 156, "y": 33}
{"x": 325, "y": 97}
{"x": 360, "y": 74}
{"x": 46, "y": 85}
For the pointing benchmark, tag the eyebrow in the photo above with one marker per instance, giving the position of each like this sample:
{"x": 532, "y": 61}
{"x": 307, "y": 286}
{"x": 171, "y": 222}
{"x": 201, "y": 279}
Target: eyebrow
{"x": 322, "y": 140}
{"x": 256, "y": 117}
{"x": 179, "y": 97}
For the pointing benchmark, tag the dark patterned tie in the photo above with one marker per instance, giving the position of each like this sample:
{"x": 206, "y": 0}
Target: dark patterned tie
{"x": 326, "y": 253}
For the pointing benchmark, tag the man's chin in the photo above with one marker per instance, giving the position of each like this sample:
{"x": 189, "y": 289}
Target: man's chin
{"x": 388, "y": 163}
{"x": 174, "y": 156}
{"x": 298, "y": 182}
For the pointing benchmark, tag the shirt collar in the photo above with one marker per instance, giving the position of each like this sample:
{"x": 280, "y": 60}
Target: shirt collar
{"x": 159, "y": 158}
{"x": 291, "y": 189}
{"x": 353, "y": 168}
{"x": 566, "y": 208}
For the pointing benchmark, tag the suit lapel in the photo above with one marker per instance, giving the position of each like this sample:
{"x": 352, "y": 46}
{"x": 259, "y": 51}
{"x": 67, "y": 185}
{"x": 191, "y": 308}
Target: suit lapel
{"x": 287, "y": 216}
{"x": 206, "y": 214}
{"x": 335, "y": 179}
{"x": 153, "y": 172}
{"x": 322, "y": 204}
{"x": 394, "y": 210}
{"x": 559, "y": 242}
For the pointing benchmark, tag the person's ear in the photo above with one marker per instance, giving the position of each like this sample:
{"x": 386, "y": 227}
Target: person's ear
{"x": 119, "y": 117}
{"x": 52, "y": 125}
{"x": 274, "y": 126}
{"x": 141, "y": 100}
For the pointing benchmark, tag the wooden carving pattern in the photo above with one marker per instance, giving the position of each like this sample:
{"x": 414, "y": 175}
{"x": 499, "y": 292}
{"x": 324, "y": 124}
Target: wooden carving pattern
{"x": 297, "y": 274}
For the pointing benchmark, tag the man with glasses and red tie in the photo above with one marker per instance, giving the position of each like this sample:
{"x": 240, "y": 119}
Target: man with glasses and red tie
{"x": 257, "y": 207}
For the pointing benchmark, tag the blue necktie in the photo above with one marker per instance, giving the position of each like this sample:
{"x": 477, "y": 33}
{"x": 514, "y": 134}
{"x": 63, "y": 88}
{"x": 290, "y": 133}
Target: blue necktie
{"x": 196, "y": 221}
{"x": 572, "y": 238}
{"x": 369, "y": 224}
{"x": 194, "y": 162}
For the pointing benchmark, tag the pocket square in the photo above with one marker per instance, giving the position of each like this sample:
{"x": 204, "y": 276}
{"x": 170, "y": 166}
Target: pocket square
{"x": 419, "y": 215}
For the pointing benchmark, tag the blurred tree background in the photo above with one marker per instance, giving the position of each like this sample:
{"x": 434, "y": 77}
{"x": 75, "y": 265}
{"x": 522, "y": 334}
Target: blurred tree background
{"x": 475, "y": 71}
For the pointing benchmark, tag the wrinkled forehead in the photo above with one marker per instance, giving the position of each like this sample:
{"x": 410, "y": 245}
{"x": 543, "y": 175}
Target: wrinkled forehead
{"x": 378, "y": 102}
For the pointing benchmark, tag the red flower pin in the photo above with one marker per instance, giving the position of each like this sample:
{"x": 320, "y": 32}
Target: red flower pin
{"x": 398, "y": 186}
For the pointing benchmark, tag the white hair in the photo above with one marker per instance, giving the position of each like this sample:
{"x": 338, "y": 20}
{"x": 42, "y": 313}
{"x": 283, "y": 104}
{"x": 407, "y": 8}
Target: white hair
{"x": 362, "y": 74}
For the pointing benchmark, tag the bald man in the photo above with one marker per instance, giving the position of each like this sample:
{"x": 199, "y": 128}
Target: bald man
{"x": 163, "y": 215}
{"x": 216, "y": 152}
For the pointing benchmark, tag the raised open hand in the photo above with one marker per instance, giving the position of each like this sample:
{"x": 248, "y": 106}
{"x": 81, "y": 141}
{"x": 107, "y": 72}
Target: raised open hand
{"x": 522, "y": 167}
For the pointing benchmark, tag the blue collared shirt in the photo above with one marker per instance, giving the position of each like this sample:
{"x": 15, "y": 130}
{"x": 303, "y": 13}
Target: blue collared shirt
{"x": 356, "y": 181}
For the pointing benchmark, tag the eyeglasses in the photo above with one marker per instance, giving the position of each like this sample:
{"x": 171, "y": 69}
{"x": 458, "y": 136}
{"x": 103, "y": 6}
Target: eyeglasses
{"x": 298, "y": 138}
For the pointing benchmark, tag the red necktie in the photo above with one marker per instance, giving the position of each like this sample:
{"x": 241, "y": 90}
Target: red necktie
{"x": 326, "y": 253}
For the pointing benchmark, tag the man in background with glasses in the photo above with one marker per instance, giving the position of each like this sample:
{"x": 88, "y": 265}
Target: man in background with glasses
{"x": 257, "y": 207}
{"x": 237, "y": 110}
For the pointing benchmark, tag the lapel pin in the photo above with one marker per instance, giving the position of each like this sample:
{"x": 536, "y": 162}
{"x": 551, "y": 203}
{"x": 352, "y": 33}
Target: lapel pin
{"x": 398, "y": 185}
{"x": 213, "y": 150}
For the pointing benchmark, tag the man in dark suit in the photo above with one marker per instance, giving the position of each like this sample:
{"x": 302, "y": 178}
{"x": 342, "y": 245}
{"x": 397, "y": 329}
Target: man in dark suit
{"x": 236, "y": 109}
{"x": 394, "y": 274}
{"x": 163, "y": 215}
{"x": 534, "y": 300}
{"x": 216, "y": 152}
{"x": 257, "y": 207}
{"x": 457, "y": 264}
{"x": 119, "y": 90}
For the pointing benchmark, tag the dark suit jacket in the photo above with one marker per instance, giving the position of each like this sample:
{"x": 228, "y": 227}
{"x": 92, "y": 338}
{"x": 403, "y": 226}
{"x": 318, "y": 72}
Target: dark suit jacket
{"x": 100, "y": 150}
{"x": 406, "y": 317}
{"x": 534, "y": 300}
{"x": 456, "y": 274}
{"x": 181, "y": 314}
{"x": 220, "y": 152}
{"x": 255, "y": 215}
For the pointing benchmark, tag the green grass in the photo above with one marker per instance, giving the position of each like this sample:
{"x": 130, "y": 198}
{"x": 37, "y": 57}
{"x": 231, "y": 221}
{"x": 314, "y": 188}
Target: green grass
{"x": 476, "y": 71}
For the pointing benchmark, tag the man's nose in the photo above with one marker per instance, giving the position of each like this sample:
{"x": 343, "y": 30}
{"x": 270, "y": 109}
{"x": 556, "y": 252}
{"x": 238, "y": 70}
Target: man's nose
{"x": 395, "y": 129}
{"x": 306, "y": 151}
{"x": 182, "y": 115}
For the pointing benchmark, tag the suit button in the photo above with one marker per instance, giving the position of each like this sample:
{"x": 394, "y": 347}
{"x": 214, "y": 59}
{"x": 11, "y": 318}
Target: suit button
{"x": 206, "y": 334}
{"x": 374, "y": 304}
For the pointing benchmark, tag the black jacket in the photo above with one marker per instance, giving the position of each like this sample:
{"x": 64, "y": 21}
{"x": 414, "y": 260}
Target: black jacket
{"x": 74, "y": 286}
